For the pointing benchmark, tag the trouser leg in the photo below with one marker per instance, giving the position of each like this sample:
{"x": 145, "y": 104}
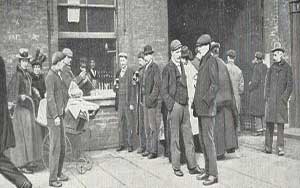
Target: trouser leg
{"x": 129, "y": 124}
{"x": 55, "y": 151}
{"x": 142, "y": 135}
{"x": 166, "y": 130}
{"x": 269, "y": 136}
{"x": 62, "y": 151}
{"x": 175, "y": 119}
{"x": 147, "y": 129}
{"x": 153, "y": 130}
{"x": 121, "y": 120}
{"x": 12, "y": 174}
{"x": 209, "y": 145}
{"x": 188, "y": 139}
{"x": 280, "y": 137}
{"x": 201, "y": 141}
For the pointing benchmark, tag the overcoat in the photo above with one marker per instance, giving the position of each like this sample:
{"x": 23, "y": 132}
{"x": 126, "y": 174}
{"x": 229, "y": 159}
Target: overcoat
{"x": 7, "y": 137}
{"x": 204, "y": 103}
{"x": 152, "y": 85}
{"x": 256, "y": 88}
{"x": 279, "y": 86}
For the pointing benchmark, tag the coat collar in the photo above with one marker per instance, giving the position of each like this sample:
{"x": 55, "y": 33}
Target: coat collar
{"x": 204, "y": 60}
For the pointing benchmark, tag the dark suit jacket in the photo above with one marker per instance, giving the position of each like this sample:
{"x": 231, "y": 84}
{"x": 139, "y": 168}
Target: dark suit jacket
{"x": 204, "y": 103}
{"x": 56, "y": 101}
{"x": 170, "y": 75}
{"x": 131, "y": 89}
{"x": 152, "y": 85}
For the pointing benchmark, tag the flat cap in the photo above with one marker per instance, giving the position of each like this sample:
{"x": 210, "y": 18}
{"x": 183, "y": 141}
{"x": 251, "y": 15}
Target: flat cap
{"x": 203, "y": 40}
{"x": 123, "y": 54}
{"x": 231, "y": 53}
{"x": 175, "y": 45}
{"x": 214, "y": 44}
{"x": 68, "y": 52}
{"x": 141, "y": 55}
{"x": 56, "y": 57}
{"x": 259, "y": 55}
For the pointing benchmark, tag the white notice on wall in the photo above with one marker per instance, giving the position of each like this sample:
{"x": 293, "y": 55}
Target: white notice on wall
{"x": 74, "y": 2}
{"x": 267, "y": 60}
{"x": 73, "y": 15}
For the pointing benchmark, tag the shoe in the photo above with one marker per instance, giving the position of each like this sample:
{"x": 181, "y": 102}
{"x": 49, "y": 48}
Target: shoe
{"x": 62, "y": 177}
{"x": 203, "y": 176}
{"x": 145, "y": 154}
{"x": 130, "y": 149}
{"x": 210, "y": 180}
{"x": 221, "y": 157}
{"x": 281, "y": 153}
{"x": 178, "y": 173}
{"x": 267, "y": 151}
{"x": 25, "y": 170}
{"x": 120, "y": 148}
{"x": 152, "y": 156}
{"x": 197, "y": 170}
{"x": 140, "y": 150}
{"x": 55, "y": 184}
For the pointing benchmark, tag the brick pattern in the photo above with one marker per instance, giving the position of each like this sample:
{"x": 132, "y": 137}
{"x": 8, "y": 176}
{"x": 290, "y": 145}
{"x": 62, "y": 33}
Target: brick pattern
{"x": 23, "y": 25}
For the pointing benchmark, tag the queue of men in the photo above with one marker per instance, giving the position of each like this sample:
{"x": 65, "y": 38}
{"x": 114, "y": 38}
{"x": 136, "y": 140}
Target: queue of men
{"x": 201, "y": 96}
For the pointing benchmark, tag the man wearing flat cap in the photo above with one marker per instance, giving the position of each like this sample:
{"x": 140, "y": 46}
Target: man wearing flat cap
{"x": 257, "y": 88}
{"x": 225, "y": 133}
{"x": 279, "y": 86}
{"x": 175, "y": 96}
{"x": 127, "y": 101}
{"x": 56, "y": 103}
{"x": 237, "y": 79}
{"x": 152, "y": 103}
{"x": 66, "y": 73}
{"x": 204, "y": 106}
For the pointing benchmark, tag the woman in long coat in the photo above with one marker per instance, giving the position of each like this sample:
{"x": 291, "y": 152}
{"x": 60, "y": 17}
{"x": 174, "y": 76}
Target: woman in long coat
{"x": 256, "y": 87}
{"x": 28, "y": 134}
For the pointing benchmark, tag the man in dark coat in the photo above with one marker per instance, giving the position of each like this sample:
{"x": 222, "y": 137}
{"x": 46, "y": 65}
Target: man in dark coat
{"x": 257, "y": 88}
{"x": 204, "y": 105}
{"x": 56, "y": 103}
{"x": 7, "y": 137}
{"x": 127, "y": 102}
{"x": 152, "y": 103}
{"x": 140, "y": 109}
{"x": 175, "y": 96}
{"x": 279, "y": 85}
{"x": 225, "y": 131}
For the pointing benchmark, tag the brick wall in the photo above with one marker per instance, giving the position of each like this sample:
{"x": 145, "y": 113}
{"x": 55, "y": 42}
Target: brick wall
{"x": 23, "y": 25}
{"x": 142, "y": 22}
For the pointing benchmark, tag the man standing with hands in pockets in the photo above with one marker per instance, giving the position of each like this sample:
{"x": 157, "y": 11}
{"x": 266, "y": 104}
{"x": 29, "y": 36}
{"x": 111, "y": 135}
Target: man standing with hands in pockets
{"x": 55, "y": 112}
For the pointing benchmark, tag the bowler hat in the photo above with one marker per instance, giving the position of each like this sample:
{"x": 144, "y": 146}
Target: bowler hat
{"x": 23, "y": 54}
{"x": 67, "y": 52}
{"x": 141, "y": 55}
{"x": 231, "y": 53}
{"x": 259, "y": 55}
{"x": 148, "y": 50}
{"x": 123, "y": 54}
{"x": 175, "y": 45}
{"x": 214, "y": 45}
{"x": 277, "y": 47}
{"x": 56, "y": 57}
{"x": 203, "y": 40}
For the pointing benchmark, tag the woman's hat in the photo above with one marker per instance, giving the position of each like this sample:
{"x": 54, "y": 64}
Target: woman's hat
{"x": 39, "y": 58}
{"x": 23, "y": 54}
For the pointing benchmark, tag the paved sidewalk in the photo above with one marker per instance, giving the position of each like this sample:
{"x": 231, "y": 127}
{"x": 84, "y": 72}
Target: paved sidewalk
{"x": 246, "y": 168}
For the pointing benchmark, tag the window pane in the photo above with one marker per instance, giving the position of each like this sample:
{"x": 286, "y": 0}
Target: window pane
{"x": 64, "y": 25}
{"x": 66, "y": 1}
{"x": 100, "y": 20}
{"x": 102, "y": 2}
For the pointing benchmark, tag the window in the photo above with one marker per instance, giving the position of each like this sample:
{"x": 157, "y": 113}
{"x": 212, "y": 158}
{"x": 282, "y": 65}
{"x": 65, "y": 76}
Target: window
{"x": 87, "y": 27}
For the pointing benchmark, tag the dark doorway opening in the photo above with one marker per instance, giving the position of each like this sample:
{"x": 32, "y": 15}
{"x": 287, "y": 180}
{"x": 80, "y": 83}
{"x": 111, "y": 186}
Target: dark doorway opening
{"x": 235, "y": 24}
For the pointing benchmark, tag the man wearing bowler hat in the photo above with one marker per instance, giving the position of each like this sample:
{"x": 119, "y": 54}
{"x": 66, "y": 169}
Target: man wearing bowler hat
{"x": 127, "y": 99}
{"x": 204, "y": 106}
{"x": 152, "y": 103}
{"x": 175, "y": 95}
{"x": 279, "y": 86}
